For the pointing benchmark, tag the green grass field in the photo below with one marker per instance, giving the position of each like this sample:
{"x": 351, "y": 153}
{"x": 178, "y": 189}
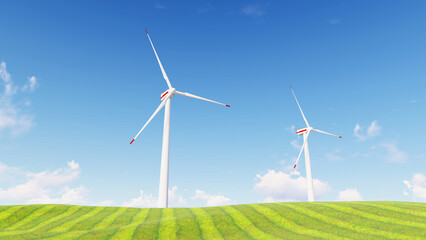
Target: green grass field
{"x": 320, "y": 220}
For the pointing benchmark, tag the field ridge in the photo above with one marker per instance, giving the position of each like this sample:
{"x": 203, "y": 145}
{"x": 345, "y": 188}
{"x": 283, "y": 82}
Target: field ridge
{"x": 295, "y": 220}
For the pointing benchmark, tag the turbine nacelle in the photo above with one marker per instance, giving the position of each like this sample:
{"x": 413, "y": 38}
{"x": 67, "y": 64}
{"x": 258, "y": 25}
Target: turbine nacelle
{"x": 302, "y": 131}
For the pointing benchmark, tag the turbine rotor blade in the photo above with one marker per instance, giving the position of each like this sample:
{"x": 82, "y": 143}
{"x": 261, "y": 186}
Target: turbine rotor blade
{"x": 159, "y": 62}
{"x": 303, "y": 115}
{"x": 152, "y": 116}
{"x": 200, "y": 98}
{"x": 319, "y": 131}
{"x": 301, "y": 150}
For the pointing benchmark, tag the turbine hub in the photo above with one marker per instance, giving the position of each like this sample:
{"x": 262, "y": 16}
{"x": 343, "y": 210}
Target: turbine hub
{"x": 167, "y": 92}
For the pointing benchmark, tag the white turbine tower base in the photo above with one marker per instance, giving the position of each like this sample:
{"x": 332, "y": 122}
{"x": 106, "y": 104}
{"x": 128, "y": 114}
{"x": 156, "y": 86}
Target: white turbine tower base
{"x": 305, "y": 147}
{"x": 166, "y": 98}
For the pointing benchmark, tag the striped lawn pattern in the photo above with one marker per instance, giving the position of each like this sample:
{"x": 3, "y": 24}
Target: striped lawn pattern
{"x": 320, "y": 220}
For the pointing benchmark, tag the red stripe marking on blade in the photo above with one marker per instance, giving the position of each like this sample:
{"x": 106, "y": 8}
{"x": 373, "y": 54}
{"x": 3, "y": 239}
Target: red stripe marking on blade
{"x": 164, "y": 95}
{"x": 302, "y": 131}
{"x": 340, "y": 136}
{"x": 146, "y": 31}
{"x": 294, "y": 166}
{"x": 228, "y": 106}
{"x": 132, "y": 141}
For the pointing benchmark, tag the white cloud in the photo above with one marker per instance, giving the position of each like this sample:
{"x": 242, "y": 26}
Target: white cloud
{"x": 149, "y": 201}
{"x": 349, "y": 195}
{"x": 417, "y": 186}
{"x": 393, "y": 154}
{"x": 11, "y": 116}
{"x": 372, "y": 131}
{"x": 45, "y": 186}
{"x": 106, "y": 203}
{"x": 144, "y": 200}
{"x": 280, "y": 186}
{"x": 212, "y": 200}
{"x": 69, "y": 196}
{"x": 31, "y": 85}
{"x": 253, "y": 11}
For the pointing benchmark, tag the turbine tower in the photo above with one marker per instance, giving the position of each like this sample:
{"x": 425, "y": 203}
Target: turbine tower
{"x": 305, "y": 132}
{"x": 166, "y": 98}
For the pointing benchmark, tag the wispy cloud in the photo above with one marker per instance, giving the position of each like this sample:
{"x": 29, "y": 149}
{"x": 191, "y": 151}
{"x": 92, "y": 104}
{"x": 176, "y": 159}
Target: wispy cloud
{"x": 209, "y": 7}
{"x": 334, "y": 21}
{"x": 31, "y": 85}
{"x": 334, "y": 156}
{"x": 12, "y": 117}
{"x": 254, "y": 10}
{"x": 295, "y": 145}
{"x": 158, "y": 5}
{"x": 393, "y": 154}
{"x": 372, "y": 131}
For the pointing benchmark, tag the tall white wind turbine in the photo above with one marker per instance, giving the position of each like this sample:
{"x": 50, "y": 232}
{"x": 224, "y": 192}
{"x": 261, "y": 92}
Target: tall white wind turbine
{"x": 305, "y": 132}
{"x": 166, "y": 98}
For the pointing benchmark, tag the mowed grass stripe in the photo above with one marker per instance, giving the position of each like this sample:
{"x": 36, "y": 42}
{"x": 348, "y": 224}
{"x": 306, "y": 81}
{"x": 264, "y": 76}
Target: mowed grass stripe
{"x": 98, "y": 234}
{"x": 354, "y": 211}
{"x": 206, "y": 224}
{"x": 264, "y": 224}
{"x": 80, "y": 212}
{"x": 125, "y": 218}
{"x": 56, "y": 210}
{"x": 309, "y": 221}
{"x": 322, "y": 228}
{"x": 35, "y": 215}
{"x": 149, "y": 228}
{"x": 109, "y": 220}
{"x": 18, "y": 215}
{"x": 28, "y": 235}
{"x": 7, "y": 212}
{"x": 390, "y": 212}
{"x": 88, "y": 223}
{"x": 127, "y": 231}
{"x": 188, "y": 226}
{"x": 245, "y": 224}
{"x": 168, "y": 226}
{"x": 397, "y": 208}
{"x": 285, "y": 223}
{"x": 225, "y": 224}
{"x": 348, "y": 223}
{"x": 69, "y": 211}
{"x": 71, "y": 235}
{"x": 69, "y": 224}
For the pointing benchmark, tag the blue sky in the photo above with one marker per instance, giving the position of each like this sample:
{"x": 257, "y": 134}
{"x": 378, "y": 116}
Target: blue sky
{"x": 79, "y": 79}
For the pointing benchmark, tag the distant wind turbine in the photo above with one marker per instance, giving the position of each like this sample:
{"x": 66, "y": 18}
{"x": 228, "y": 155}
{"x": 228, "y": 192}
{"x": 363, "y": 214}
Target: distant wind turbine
{"x": 305, "y": 132}
{"x": 166, "y": 98}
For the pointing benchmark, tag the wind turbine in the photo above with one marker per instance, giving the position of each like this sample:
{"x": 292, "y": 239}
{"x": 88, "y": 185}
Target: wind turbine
{"x": 305, "y": 132}
{"x": 166, "y": 98}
